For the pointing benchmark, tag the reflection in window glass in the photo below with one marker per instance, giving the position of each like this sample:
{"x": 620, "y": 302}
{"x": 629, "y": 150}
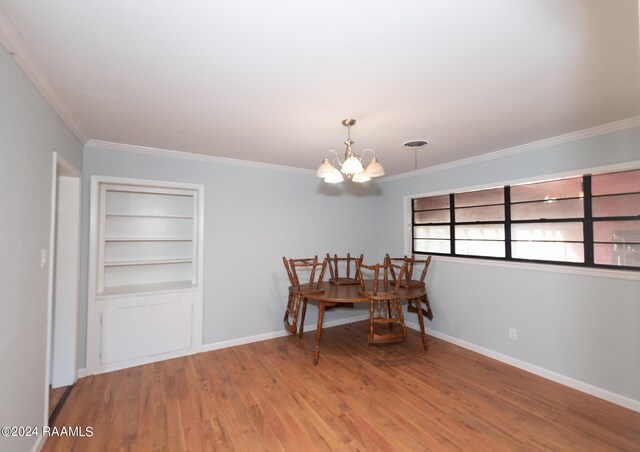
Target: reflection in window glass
{"x": 480, "y": 232}
{"x": 619, "y": 254}
{"x": 480, "y": 248}
{"x": 432, "y": 202}
{"x": 432, "y": 246}
{"x": 546, "y": 210}
{"x": 488, "y": 213}
{"x": 611, "y": 183}
{"x": 616, "y": 231}
{"x": 557, "y": 189}
{"x": 479, "y": 198}
{"x": 548, "y": 251}
{"x": 616, "y": 206}
{"x": 431, "y": 232}
{"x": 551, "y": 232}
{"x": 432, "y": 216}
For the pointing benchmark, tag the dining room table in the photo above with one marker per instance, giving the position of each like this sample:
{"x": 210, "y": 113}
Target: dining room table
{"x": 347, "y": 293}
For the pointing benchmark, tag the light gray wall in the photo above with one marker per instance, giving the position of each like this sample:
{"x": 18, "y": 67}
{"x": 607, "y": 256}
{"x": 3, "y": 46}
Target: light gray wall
{"x": 583, "y": 327}
{"x": 253, "y": 217}
{"x": 30, "y": 131}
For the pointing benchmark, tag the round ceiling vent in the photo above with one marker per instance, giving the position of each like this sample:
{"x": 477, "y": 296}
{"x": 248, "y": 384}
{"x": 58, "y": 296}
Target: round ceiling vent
{"x": 414, "y": 144}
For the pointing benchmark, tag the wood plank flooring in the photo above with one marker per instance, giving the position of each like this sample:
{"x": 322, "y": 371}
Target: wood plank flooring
{"x": 55, "y": 395}
{"x": 268, "y": 396}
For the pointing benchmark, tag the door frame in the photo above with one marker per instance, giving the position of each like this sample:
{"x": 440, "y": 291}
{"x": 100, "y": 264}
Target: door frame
{"x": 60, "y": 168}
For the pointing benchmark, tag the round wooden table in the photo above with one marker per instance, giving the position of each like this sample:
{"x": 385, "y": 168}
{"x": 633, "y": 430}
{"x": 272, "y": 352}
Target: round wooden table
{"x": 348, "y": 294}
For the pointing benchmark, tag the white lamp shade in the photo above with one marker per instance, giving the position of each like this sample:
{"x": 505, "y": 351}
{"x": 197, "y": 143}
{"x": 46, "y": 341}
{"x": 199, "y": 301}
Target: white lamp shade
{"x": 352, "y": 166}
{"x": 334, "y": 177}
{"x": 324, "y": 169}
{"x": 360, "y": 177}
{"x": 374, "y": 169}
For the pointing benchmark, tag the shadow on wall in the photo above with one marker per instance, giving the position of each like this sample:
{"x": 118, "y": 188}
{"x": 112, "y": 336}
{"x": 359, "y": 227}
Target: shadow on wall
{"x": 348, "y": 188}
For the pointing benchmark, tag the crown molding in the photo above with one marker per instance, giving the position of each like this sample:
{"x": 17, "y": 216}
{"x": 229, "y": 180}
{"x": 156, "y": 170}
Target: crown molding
{"x": 109, "y": 145}
{"x": 533, "y": 146}
{"x": 14, "y": 44}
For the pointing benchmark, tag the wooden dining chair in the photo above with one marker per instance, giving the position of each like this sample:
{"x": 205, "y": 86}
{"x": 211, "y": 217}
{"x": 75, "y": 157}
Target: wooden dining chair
{"x": 334, "y": 268}
{"x": 415, "y": 267}
{"x": 299, "y": 291}
{"x": 384, "y": 301}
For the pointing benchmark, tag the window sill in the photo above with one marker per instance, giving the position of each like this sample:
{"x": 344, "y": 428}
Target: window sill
{"x": 551, "y": 268}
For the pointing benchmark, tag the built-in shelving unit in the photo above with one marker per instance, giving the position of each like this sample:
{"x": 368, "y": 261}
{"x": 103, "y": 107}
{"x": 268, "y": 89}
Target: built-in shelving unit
{"x": 148, "y": 237}
{"x": 145, "y": 288}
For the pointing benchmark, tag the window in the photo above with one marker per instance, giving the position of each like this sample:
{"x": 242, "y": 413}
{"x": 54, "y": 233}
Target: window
{"x": 587, "y": 220}
{"x": 479, "y": 223}
{"x": 616, "y": 218}
{"x": 431, "y": 230}
{"x": 547, "y": 221}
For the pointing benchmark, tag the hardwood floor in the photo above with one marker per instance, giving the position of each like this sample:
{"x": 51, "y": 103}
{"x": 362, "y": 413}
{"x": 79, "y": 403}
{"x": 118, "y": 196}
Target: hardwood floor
{"x": 55, "y": 395}
{"x": 269, "y": 396}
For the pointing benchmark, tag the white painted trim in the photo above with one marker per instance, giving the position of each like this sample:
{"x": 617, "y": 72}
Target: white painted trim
{"x": 534, "y": 146}
{"x": 72, "y": 170}
{"x": 57, "y": 160}
{"x": 52, "y": 245}
{"x": 587, "y": 388}
{"x": 550, "y": 375}
{"x": 97, "y": 144}
{"x": 93, "y": 276}
{"x": 275, "y": 334}
{"x": 143, "y": 361}
{"x": 91, "y": 366}
{"x": 37, "y": 447}
{"x": 15, "y": 46}
{"x": 591, "y": 272}
{"x": 625, "y": 166}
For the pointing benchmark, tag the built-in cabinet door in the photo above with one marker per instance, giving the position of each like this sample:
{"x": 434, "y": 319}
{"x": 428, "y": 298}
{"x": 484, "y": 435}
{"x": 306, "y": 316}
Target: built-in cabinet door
{"x": 139, "y": 329}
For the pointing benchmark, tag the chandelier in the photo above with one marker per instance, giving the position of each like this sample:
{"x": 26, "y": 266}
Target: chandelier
{"x": 352, "y": 165}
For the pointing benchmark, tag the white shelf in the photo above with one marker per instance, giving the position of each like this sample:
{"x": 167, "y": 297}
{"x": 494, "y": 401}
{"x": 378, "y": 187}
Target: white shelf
{"x": 148, "y": 262}
{"x": 148, "y": 239}
{"x": 137, "y": 215}
{"x": 146, "y": 288}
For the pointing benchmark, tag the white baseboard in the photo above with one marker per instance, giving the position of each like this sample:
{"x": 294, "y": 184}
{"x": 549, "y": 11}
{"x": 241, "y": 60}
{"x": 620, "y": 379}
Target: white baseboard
{"x": 587, "y": 388}
{"x": 275, "y": 334}
{"x": 595, "y": 391}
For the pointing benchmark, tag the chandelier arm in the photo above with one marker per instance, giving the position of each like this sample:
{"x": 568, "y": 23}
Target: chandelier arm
{"x": 368, "y": 149}
{"x": 337, "y": 156}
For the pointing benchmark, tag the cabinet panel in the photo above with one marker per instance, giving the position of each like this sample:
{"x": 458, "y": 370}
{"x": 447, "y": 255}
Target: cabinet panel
{"x": 135, "y": 329}
{"x": 124, "y": 334}
{"x": 171, "y": 327}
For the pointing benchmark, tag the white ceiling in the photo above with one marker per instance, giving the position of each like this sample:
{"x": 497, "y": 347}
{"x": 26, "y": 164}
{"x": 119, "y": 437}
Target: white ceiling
{"x": 270, "y": 81}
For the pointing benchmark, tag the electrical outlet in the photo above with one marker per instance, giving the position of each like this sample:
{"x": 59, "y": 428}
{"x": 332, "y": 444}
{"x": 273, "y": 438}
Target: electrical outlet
{"x": 513, "y": 334}
{"x": 43, "y": 258}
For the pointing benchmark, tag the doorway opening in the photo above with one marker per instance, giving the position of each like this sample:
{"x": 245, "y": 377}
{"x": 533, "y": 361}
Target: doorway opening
{"x": 64, "y": 289}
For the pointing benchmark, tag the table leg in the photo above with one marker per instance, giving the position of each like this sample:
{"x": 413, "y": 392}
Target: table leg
{"x": 421, "y": 321}
{"x": 318, "y": 332}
